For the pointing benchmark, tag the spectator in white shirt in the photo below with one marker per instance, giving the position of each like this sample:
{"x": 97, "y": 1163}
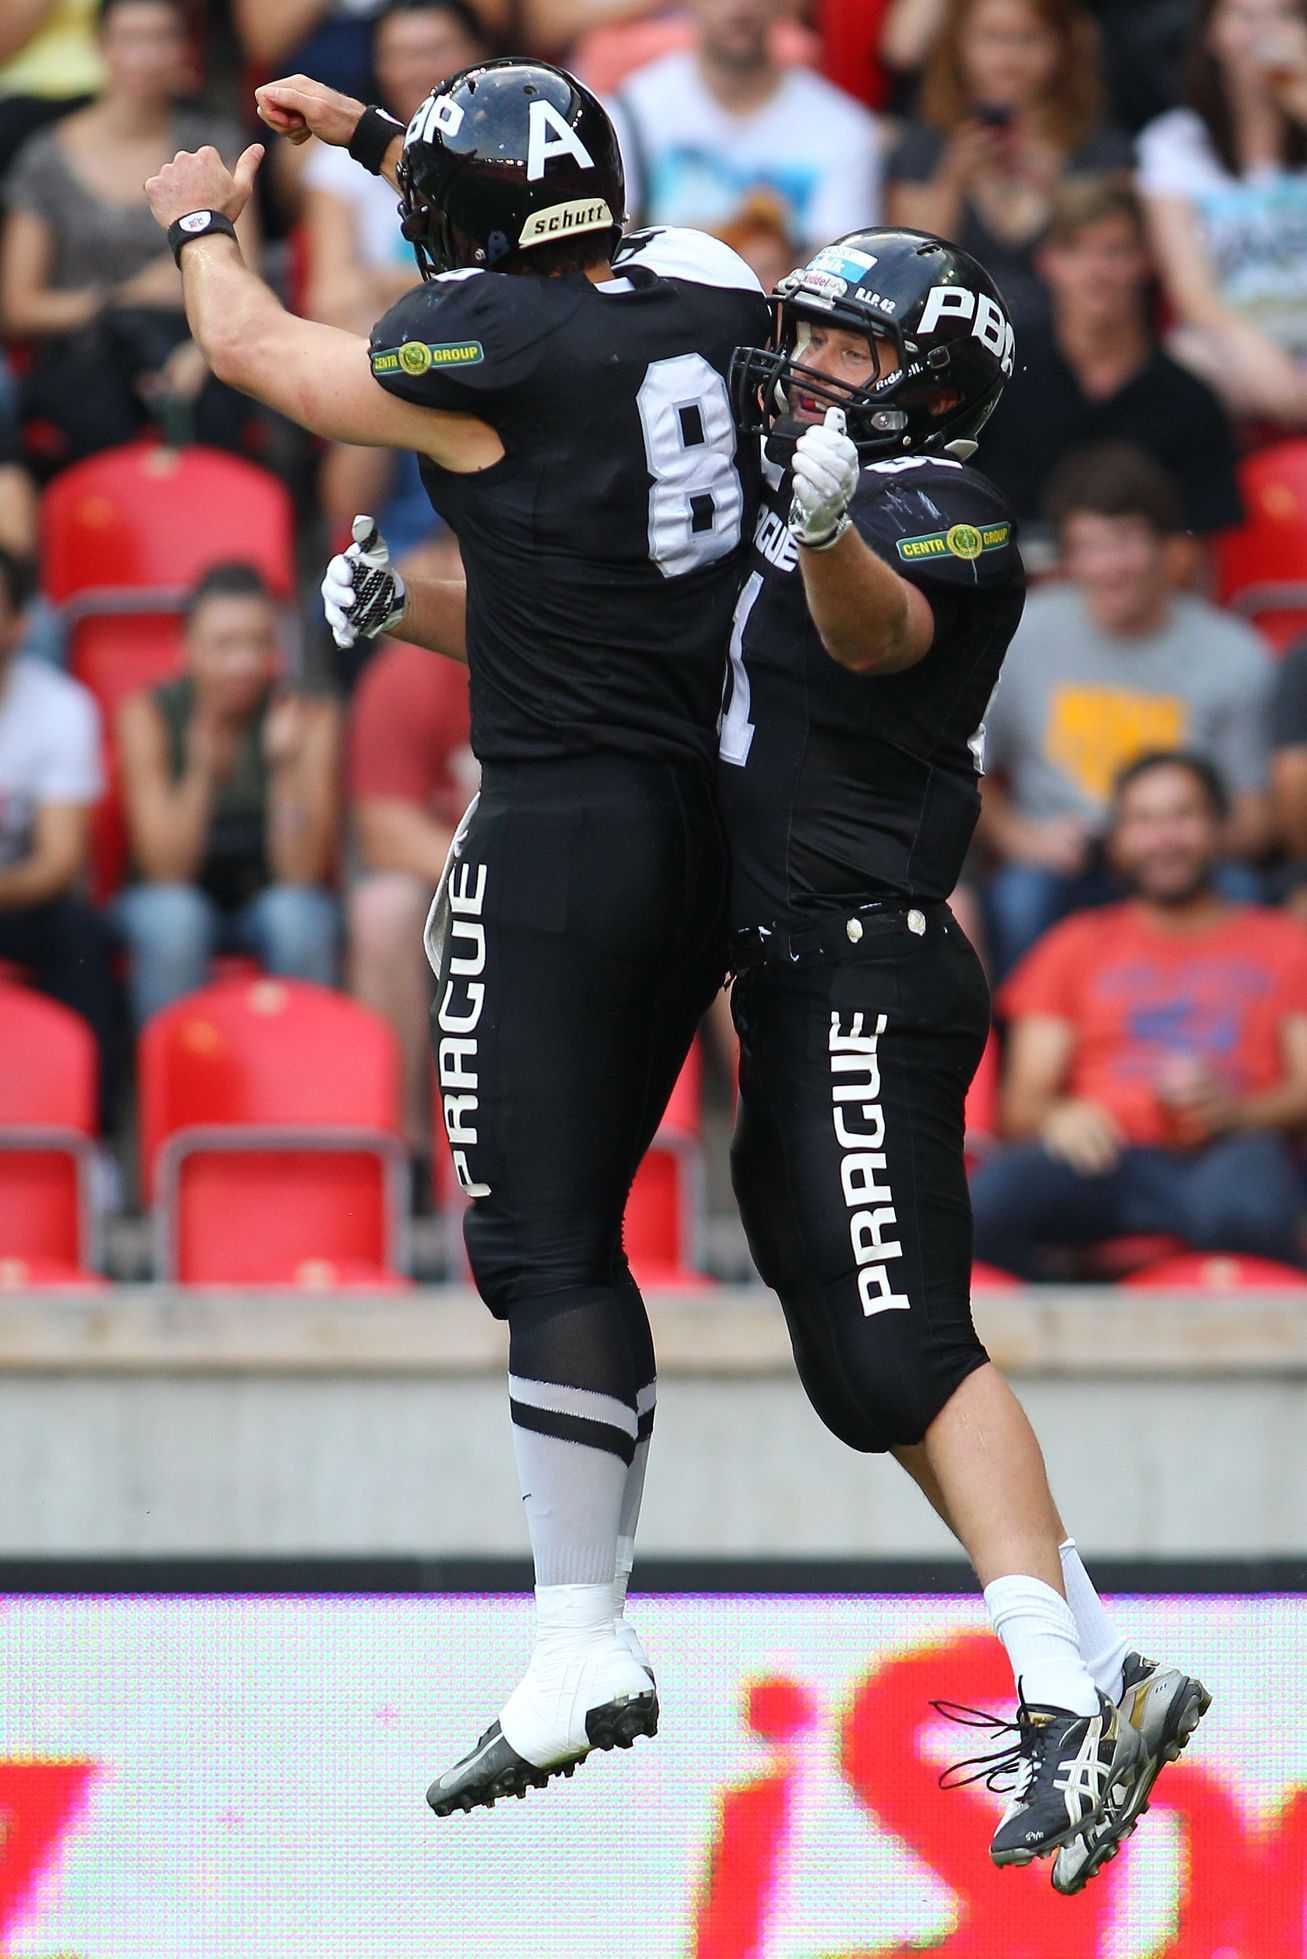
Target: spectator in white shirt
{"x": 704, "y": 128}
{"x": 1225, "y": 183}
{"x": 50, "y": 779}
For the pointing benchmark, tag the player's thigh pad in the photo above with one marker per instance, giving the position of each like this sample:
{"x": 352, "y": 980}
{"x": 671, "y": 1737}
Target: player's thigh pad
{"x": 849, "y": 1168}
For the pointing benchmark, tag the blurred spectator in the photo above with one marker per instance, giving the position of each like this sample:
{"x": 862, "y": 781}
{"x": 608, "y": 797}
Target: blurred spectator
{"x": 49, "y": 63}
{"x": 82, "y": 275}
{"x": 1098, "y": 375}
{"x": 704, "y": 128}
{"x": 1225, "y": 181}
{"x": 50, "y": 779}
{"x": 411, "y": 775}
{"x": 230, "y": 783}
{"x": 1011, "y": 106}
{"x": 1142, "y": 49}
{"x": 759, "y": 234}
{"x": 1288, "y": 727}
{"x": 358, "y": 261}
{"x": 17, "y": 500}
{"x": 1157, "y": 1053}
{"x": 331, "y": 40}
{"x": 1116, "y": 661}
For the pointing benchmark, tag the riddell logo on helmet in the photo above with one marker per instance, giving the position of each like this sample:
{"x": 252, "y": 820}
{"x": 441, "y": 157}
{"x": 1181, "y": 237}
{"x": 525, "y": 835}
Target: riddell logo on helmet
{"x": 989, "y": 323}
{"x": 581, "y": 214}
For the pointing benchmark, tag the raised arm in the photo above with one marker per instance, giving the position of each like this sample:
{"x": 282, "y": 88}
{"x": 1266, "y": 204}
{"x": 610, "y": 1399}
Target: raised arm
{"x": 316, "y": 375}
{"x": 870, "y": 620}
{"x": 297, "y": 107}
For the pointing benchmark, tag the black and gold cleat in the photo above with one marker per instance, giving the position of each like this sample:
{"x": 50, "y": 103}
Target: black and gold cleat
{"x": 494, "y": 1768}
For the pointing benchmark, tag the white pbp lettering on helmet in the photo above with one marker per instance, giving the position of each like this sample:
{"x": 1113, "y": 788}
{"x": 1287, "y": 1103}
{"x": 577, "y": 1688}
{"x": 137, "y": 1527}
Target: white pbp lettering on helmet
{"x": 989, "y": 323}
{"x": 561, "y": 220}
{"x": 541, "y": 145}
{"x": 438, "y": 112}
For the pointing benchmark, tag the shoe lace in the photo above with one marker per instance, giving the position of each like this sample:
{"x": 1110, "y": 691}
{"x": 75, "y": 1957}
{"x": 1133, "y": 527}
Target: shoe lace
{"x": 1009, "y": 1769}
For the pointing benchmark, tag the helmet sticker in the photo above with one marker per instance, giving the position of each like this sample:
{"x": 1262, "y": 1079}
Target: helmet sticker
{"x": 561, "y": 220}
{"x": 438, "y": 112}
{"x": 542, "y": 146}
{"x": 989, "y": 323}
{"x": 842, "y": 261}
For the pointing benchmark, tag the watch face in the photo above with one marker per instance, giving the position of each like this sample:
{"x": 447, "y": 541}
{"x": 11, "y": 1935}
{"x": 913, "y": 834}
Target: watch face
{"x": 196, "y": 220}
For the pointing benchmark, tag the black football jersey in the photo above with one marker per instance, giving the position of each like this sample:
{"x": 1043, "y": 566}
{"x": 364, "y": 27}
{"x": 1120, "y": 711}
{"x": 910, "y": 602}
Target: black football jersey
{"x": 603, "y": 552}
{"x": 837, "y": 787}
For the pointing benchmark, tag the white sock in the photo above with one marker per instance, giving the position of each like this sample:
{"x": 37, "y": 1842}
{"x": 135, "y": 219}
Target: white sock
{"x": 1100, "y": 1639}
{"x": 1038, "y": 1631}
{"x": 632, "y": 1497}
{"x": 572, "y": 1491}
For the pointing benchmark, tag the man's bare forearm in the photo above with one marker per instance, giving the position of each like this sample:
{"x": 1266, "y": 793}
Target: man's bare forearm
{"x": 435, "y": 616}
{"x": 862, "y": 608}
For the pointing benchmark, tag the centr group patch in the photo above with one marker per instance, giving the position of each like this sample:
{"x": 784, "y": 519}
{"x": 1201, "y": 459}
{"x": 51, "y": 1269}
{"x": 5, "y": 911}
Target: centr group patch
{"x": 966, "y": 541}
{"x": 420, "y": 356}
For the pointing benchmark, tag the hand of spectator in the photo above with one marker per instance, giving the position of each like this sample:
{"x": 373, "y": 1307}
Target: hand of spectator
{"x": 825, "y": 478}
{"x": 210, "y": 746}
{"x": 156, "y": 284}
{"x": 974, "y": 147}
{"x": 1083, "y": 1134}
{"x": 1275, "y": 384}
{"x": 180, "y": 378}
{"x": 199, "y": 180}
{"x": 1197, "y": 1099}
{"x": 1059, "y": 843}
{"x": 299, "y": 107}
{"x": 285, "y": 730}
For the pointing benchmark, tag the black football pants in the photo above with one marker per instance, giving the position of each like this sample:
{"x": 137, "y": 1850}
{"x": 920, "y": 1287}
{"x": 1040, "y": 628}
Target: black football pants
{"x": 585, "y": 941}
{"x": 848, "y": 1161}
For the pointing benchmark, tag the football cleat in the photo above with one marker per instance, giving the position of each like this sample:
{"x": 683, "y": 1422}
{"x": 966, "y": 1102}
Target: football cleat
{"x": 1060, "y": 1770}
{"x": 550, "y": 1724}
{"x": 1163, "y": 1706}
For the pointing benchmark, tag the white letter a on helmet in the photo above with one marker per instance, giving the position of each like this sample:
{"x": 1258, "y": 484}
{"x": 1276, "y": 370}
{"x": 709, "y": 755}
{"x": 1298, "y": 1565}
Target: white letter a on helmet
{"x": 541, "y": 144}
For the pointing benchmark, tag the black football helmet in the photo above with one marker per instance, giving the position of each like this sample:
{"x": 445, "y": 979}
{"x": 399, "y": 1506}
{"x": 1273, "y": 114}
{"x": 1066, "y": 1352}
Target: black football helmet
{"x": 502, "y": 157}
{"x": 936, "y": 307}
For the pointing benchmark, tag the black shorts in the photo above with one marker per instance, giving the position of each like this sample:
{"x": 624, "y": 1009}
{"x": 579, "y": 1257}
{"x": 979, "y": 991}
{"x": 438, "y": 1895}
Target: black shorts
{"x": 586, "y": 938}
{"x": 848, "y": 1159}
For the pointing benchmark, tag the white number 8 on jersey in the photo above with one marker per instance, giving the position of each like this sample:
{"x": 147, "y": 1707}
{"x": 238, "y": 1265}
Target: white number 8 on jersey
{"x": 696, "y": 504}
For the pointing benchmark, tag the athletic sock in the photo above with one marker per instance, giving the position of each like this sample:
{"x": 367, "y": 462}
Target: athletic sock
{"x": 572, "y": 1396}
{"x": 632, "y": 1496}
{"x": 1100, "y": 1639}
{"x": 1038, "y": 1632}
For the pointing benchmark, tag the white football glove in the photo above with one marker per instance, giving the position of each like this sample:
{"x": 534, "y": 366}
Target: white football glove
{"x": 362, "y": 593}
{"x": 825, "y": 476}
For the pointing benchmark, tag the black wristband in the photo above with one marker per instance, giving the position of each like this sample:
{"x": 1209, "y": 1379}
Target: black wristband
{"x": 196, "y": 224}
{"x": 374, "y": 132}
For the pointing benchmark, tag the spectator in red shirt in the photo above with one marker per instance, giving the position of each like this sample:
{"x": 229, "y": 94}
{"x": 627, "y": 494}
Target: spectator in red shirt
{"x": 1157, "y": 1052}
{"x": 411, "y": 774}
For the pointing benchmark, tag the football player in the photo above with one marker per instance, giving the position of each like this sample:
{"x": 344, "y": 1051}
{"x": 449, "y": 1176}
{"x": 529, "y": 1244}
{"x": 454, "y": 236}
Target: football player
{"x": 566, "y": 393}
{"x": 883, "y": 589}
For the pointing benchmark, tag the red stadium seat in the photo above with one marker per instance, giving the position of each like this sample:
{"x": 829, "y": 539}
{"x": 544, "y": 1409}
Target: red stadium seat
{"x": 47, "y": 1127}
{"x": 1262, "y": 563}
{"x": 663, "y": 1209}
{"x": 146, "y": 519}
{"x": 989, "y": 1278}
{"x": 1219, "y": 1272}
{"x": 269, "y": 1117}
{"x": 661, "y": 1225}
{"x": 982, "y": 1102}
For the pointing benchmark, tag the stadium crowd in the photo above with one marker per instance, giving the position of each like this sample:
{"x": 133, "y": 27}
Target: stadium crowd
{"x": 1135, "y": 178}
